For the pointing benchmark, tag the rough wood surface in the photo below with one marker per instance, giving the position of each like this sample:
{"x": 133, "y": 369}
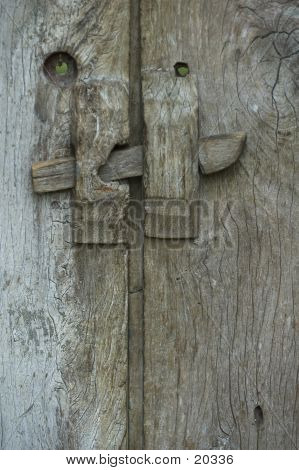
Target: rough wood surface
{"x": 218, "y": 152}
{"x": 170, "y": 153}
{"x": 60, "y": 174}
{"x": 63, "y": 323}
{"x": 122, "y": 164}
{"x": 99, "y": 122}
{"x": 54, "y": 175}
{"x": 221, "y": 313}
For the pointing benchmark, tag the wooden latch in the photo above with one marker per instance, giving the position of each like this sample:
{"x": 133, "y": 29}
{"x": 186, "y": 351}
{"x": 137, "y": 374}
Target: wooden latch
{"x": 60, "y": 173}
{"x": 96, "y": 171}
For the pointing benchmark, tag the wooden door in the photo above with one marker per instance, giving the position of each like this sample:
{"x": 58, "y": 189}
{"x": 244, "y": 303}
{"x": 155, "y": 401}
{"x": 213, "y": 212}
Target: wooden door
{"x": 221, "y": 310}
{"x": 188, "y": 340}
{"x": 63, "y": 305}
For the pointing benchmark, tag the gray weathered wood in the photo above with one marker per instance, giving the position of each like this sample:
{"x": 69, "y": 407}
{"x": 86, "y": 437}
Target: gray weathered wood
{"x": 215, "y": 153}
{"x": 99, "y": 122}
{"x": 171, "y": 165}
{"x": 63, "y": 323}
{"x": 218, "y": 152}
{"x": 221, "y": 331}
{"x": 60, "y": 173}
{"x": 54, "y": 175}
{"x": 221, "y": 323}
{"x": 122, "y": 164}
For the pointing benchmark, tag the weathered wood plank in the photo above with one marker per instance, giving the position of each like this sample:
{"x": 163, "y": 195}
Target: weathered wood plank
{"x": 171, "y": 164}
{"x": 221, "y": 334}
{"x": 100, "y": 121}
{"x": 63, "y": 323}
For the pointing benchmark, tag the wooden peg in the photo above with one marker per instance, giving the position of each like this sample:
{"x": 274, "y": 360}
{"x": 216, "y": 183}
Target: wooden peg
{"x": 218, "y": 152}
{"x": 54, "y": 175}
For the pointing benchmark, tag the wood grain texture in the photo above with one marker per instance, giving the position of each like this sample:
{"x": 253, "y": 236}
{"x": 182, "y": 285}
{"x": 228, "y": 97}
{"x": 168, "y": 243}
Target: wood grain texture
{"x": 221, "y": 313}
{"x": 99, "y": 122}
{"x": 170, "y": 152}
{"x": 122, "y": 164}
{"x": 60, "y": 174}
{"x": 54, "y": 175}
{"x": 63, "y": 322}
{"x": 218, "y": 152}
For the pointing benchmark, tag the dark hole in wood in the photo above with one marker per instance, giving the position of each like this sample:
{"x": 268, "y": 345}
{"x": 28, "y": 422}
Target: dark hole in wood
{"x": 61, "y": 68}
{"x": 258, "y": 416}
{"x": 181, "y": 69}
{"x": 120, "y": 147}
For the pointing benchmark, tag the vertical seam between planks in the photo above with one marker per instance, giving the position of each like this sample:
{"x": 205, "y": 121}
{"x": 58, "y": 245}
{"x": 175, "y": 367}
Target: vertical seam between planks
{"x": 135, "y": 410}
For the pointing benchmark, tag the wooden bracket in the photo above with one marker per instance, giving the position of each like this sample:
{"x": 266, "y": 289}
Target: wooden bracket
{"x": 171, "y": 168}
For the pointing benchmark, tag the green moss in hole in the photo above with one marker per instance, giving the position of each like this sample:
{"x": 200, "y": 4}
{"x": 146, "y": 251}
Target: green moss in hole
{"x": 181, "y": 69}
{"x": 61, "y": 68}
